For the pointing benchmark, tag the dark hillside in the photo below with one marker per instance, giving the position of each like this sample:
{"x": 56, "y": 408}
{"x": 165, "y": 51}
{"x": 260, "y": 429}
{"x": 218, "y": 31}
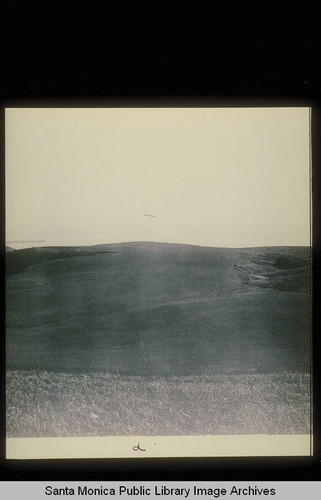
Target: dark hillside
{"x": 28, "y": 257}
{"x": 158, "y": 309}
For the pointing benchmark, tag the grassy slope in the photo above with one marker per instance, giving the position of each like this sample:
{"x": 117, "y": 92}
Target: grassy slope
{"x": 144, "y": 308}
{"x": 49, "y": 405}
{"x": 162, "y": 339}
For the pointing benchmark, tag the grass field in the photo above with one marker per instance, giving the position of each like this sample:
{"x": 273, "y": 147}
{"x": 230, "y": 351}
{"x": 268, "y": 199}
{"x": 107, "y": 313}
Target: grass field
{"x": 157, "y": 339}
{"x": 142, "y": 309}
{"x": 43, "y": 404}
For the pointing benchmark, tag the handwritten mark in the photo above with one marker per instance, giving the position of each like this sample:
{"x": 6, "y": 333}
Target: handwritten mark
{"x": 137, "y": 447}
{"x": 149, "y": 215}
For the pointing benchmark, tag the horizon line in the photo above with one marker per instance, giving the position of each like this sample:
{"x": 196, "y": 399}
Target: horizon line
{"x": 151, "y": 242}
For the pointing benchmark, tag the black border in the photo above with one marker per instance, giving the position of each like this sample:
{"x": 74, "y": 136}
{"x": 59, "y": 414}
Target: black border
{"x": 59, "y": 64}
{"x": 249, "y": 468}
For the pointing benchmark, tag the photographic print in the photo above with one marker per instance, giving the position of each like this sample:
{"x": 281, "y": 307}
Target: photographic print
{"x": 158, "y": 282}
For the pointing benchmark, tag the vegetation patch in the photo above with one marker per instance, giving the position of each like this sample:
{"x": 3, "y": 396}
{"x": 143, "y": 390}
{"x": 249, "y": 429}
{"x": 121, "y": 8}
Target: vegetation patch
{"x": 43, "y": 404}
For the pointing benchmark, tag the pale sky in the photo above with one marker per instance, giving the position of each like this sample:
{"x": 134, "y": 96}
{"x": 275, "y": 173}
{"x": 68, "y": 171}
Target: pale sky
{"x": 221, "y": 177}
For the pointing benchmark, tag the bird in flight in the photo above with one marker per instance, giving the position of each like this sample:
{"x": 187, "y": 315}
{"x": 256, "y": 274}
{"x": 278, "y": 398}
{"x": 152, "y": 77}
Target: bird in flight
{"x": 149, "y": 215}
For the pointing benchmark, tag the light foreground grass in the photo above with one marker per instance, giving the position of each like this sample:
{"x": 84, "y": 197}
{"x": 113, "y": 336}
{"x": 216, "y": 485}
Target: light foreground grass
{"x": 42, "y": 404}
